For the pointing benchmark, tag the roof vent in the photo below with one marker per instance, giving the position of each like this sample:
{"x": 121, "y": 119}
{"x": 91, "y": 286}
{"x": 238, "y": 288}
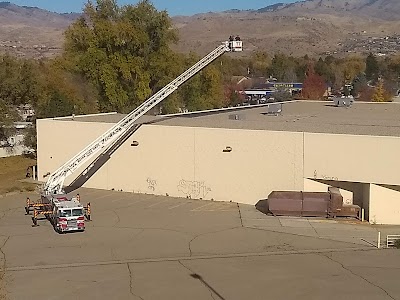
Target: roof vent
{"x": 236, "y": 117}
{"x": 343, "y": 101}
{"x": 274, "y": 109}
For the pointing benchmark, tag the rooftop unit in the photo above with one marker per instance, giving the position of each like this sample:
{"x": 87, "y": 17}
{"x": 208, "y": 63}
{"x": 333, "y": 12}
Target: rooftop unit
{"x": 345, "y": 101}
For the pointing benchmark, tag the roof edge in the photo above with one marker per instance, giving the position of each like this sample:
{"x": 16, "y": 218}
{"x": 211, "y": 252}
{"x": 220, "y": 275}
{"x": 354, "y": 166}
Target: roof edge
{"x": 81, "y": 116}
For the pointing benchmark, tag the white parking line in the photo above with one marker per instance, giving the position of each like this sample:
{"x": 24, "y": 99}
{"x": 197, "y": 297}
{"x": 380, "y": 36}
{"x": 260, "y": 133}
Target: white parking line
{"x": 141, "y": 200}
{"x": 100, "y": 197}
{"x": 180, "y": 204}
{"x": 155, "y": 204}
{"x": 200, "y": 208}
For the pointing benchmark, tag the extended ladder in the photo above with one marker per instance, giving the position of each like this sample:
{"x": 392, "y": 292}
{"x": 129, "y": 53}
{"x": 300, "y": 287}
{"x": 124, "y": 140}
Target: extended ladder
{"x": 55, "y": 182}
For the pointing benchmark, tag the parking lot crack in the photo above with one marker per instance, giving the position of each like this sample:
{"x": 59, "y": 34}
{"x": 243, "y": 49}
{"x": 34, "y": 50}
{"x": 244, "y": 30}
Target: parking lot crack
{"x": 3, "y": 253}
{"x": 204, "y": 234}
{"x": 358, "y": 275}
{"x": 297, "y": 234}
{"x": 240, "y": 214}
{"x": 131, "y": 283}
{"x": 118, "y": 218}
{"x": 3, "y": 267}
{"x": 313, "y": 228}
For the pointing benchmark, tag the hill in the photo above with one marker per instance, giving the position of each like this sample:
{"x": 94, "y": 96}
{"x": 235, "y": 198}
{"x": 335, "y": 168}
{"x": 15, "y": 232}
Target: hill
{"x": 31, "y": 31}
{"x": 313, "y": 27}
{"x": 381, "y": 9}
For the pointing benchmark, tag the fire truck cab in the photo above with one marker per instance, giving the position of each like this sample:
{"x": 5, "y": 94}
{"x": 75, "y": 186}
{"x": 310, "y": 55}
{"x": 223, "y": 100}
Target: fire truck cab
{"x": 68, "y": 214}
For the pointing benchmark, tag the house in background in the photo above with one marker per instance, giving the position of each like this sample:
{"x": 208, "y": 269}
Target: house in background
{"x": 14, "y": 145}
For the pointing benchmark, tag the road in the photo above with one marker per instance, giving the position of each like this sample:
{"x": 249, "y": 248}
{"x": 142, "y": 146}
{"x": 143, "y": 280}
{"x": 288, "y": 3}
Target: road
{"x": 150, "y": 247}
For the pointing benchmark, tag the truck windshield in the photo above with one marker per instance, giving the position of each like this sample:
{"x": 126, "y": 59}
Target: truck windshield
{"x": 65, "y": 213}
{"x": 77, "y": 212}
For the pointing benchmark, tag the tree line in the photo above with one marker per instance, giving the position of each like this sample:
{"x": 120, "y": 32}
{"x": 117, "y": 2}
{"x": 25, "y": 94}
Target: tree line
{"x": 115, "y": 57}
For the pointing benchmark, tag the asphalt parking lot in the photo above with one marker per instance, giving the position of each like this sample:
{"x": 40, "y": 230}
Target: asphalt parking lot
{"x": 152, "y": 247}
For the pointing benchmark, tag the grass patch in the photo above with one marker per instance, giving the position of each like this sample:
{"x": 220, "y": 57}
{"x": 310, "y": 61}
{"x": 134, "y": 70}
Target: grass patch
{"x": 12, "y": 170}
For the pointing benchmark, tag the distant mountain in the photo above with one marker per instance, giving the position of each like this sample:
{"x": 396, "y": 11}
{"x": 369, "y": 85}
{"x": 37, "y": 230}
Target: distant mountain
{"x": 11, "y": 13}
{"x": 382, "y": 9}
{"x": 313, "y": 27}
{"x": 272, "y": 8}
{"x": 31, "y": 31}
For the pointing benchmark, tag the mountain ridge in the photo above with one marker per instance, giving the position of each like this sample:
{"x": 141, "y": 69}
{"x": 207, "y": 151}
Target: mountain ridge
{"x": 312, "y": 27}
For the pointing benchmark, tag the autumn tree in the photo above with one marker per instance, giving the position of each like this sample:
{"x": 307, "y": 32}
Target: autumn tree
{"x": 124, "y": 51}
{"x": 204, "y": 91}
{"x": 259, "y": 63}
{"x": 352, "y": 66}
{"x": 233, "y": 95}
{"x": 366, "y": 94}
{"x": 378, "y": 95}
{"x": 314, "y": 86}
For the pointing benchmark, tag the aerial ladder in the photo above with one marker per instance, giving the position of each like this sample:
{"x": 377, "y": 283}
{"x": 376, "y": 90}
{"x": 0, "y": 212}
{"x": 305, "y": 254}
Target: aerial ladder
{"x": 55, "y": 181}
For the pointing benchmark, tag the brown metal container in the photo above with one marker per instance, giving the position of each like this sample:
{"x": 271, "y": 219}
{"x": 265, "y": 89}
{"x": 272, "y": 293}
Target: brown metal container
{"x": 310, "y": 204}
{"x": 335, "y": 202}
{"x": 285, "y": 203}
{"x": 351, "y": 211}
{"x": 315, "y": 204}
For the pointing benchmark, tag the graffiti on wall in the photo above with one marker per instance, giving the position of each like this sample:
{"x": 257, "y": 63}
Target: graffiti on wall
{"x": 151, "y": 184}
{"x": 325, "y": 177}
{"x": 193, "y": 189}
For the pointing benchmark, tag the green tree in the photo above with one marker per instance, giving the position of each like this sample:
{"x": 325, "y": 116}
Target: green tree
{"x": 18, "y": 81}
{"x": 7, "y": 118}
{"x": 372, "y": 68}
{"x": 360, "y": 83}
{"x": 61, "y": 93}
{"x": 204, "y": 91}
{"x": 281, "y": 65}
{"x": 124, "y": 51}
{"x": 324, "y": 69}
{"x": 259, "y": 63}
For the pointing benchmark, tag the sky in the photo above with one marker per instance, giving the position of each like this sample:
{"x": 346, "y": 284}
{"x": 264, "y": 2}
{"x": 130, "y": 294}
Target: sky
{"x": 174, "y": 7}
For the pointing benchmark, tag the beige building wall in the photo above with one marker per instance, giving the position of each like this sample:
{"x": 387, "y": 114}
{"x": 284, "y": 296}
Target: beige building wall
{"x": 160, "y": 163}
{"x": 384, "y": 205}
{"x": 260, "y": 162}
{"x": 352, "y": 158}
{"x": 190, "y": 162}
{"x": 58, "y": 141}
{"x": 182, "y": 161}
{"x": 366, "y": 199}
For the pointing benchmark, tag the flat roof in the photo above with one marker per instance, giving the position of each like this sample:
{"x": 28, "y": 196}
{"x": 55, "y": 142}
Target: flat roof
{"x": 380, "y": 119}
